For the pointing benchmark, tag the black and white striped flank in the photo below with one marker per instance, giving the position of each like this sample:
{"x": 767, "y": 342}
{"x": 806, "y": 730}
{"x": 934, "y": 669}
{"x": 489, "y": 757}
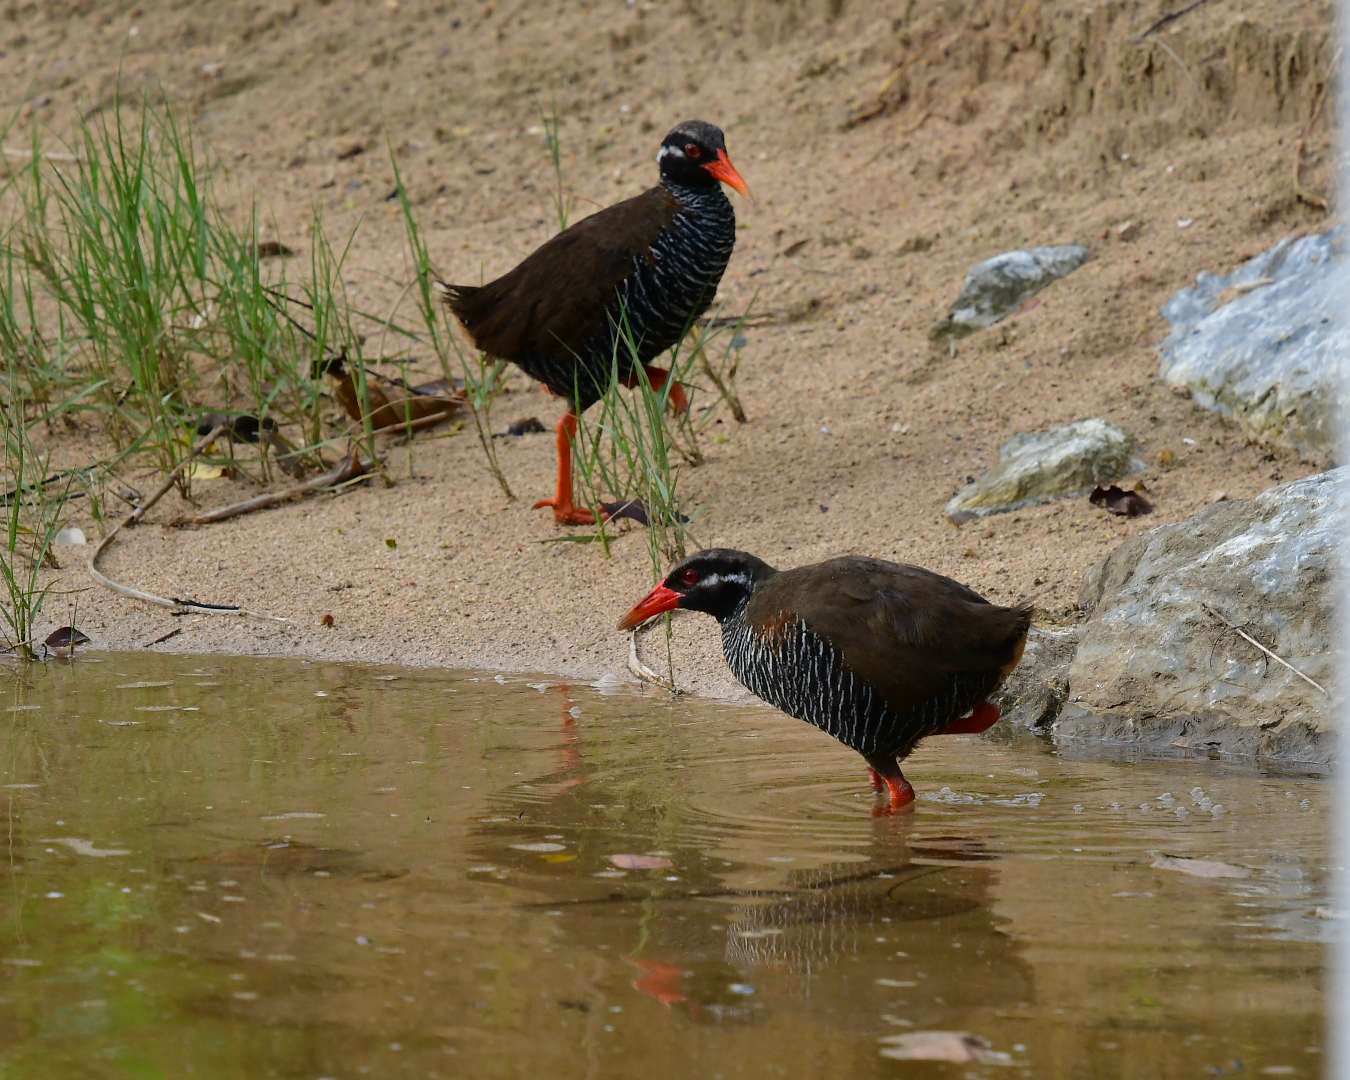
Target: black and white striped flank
{"x": 800, "y": 673}
{"x": 671, "y": 283}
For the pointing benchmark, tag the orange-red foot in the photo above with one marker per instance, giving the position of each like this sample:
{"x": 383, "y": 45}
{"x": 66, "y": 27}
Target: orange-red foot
{"x": 679, "y": 403}
{"x": 566, "y": 513}
{"x": 981, "y": 718}
{"x": 902, "y": 797}
{"x": 875, "y": 778}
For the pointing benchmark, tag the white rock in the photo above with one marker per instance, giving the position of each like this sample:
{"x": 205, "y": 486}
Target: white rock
{"x": 994, "y": 288}
{"x": 1267, "y": 343}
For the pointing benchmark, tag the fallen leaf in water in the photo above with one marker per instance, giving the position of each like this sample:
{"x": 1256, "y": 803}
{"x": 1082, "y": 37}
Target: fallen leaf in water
{"x": 1121, "y": 503}
{"x": 958, "y": 1046}
{"x": 84, "y": 847}
{"x": 66, "y": 637}
{"x": 640, "y": 862}
{"x": 1199, "y": 867}
{"x": 658, "y": 980}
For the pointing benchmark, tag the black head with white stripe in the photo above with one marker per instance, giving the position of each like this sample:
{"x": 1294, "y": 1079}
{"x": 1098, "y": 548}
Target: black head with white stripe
{"x": 716, "y": 581}
{"x": 694, "y": 154}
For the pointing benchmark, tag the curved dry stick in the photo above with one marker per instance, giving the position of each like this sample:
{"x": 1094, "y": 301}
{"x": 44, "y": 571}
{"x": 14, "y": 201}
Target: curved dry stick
{"x": 178, "y": 607}
{"x": 1300, "y": 195}
{"x": 641, "y": 670}
{"x": 348, "y": 469}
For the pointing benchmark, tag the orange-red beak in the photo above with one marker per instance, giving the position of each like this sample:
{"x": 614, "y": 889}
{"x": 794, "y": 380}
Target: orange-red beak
{"x": 725, "y": 171}
{"x": 654, "y": 603}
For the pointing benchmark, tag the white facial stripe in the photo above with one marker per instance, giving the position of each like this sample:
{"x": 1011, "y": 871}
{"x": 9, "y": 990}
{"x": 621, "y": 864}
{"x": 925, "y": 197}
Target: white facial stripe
{"x": 669, "y": 151}
{"x": 717, "y": 579}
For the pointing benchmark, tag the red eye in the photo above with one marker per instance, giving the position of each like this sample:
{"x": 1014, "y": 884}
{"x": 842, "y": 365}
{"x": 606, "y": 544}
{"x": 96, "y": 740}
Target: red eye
{"x": 690, "y": 577}
{"x": 692, "y": 150}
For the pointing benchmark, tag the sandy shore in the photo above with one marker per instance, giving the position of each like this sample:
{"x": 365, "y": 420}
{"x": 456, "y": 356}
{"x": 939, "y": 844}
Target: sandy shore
{"x": 857, "y": 240}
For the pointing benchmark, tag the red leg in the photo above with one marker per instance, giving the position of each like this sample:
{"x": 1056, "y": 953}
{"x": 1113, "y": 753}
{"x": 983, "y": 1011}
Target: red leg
{"x": 981, "y": 718}
{"x": 902, "y": 797}
{"x": 657, "y": 378}
{"x": 888, "y": 774}
{"x": 564, "y": 511}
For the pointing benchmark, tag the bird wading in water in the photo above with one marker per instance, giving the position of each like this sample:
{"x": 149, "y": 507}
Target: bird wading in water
{"x": 877, "y": 654}
{"x": 642, "y": 269}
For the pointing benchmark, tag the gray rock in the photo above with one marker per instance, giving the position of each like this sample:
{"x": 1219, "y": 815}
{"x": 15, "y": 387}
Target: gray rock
{"x": 1156, "y": 669}
{"x": 1267, "y": 343}
{"x": 1065, "y": 461}
{"x": 995, "y": 287}
{"x": 1036, "y": 690}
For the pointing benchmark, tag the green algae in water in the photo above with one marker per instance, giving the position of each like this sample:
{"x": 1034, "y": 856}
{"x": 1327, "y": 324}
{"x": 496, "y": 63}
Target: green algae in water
{"x": 226, "y": 867}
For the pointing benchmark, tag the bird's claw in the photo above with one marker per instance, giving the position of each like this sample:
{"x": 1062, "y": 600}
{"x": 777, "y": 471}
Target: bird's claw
{"x": 567, "y": 514}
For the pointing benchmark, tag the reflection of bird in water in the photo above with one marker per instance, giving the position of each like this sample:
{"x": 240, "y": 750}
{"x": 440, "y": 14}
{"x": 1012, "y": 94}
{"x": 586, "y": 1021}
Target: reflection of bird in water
{"x": 658, "y": 980}
{"x": 877, "y": 654}
{"x": 830, "y": 916}
{"x": 571, "y": 750}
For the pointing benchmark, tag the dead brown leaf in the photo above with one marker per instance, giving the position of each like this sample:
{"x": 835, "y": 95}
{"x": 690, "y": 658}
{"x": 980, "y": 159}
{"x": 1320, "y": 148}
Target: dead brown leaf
{"x": 1120, "y": 503}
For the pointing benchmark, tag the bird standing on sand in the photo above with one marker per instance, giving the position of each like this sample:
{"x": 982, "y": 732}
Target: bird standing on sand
{"x": 877, "y": 654}
{"x": 644, "y": 268}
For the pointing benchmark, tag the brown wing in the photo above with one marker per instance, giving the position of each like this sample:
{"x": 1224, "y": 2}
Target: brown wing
{"x": 903, "y": 629}
{"x": 556, "y": 299}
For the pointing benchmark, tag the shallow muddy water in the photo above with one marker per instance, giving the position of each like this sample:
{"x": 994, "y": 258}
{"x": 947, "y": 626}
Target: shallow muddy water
{"x": 242, "y": 868}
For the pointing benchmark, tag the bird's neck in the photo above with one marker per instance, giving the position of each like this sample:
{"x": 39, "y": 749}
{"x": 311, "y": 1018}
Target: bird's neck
{"x": 698, "y": 198}
{"x": 731, "y": 611}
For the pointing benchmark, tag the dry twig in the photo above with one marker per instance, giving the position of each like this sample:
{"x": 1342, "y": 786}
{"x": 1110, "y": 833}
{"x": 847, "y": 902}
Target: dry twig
{"x": 1278, "y": 659}
{"x": 1170, "y": 16}
{"x": 348, "y": 469}
{"x": 1300, "y": 195}
{"x": 728, "y": 395}
{"x": 1158, "y": 24}
{"x": 641, "y": 670}
{"x": 178, "y": 607}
